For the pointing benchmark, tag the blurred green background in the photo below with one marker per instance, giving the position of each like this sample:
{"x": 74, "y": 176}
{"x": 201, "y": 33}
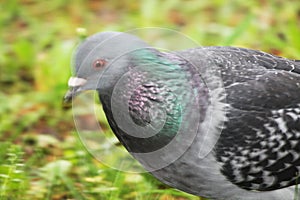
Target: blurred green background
{"x": 40, "y": 154}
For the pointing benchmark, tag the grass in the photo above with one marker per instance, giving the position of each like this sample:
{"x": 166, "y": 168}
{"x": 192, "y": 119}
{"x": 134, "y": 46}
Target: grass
{"x": 41, "y": 156}
{"x": 12, "y": 175}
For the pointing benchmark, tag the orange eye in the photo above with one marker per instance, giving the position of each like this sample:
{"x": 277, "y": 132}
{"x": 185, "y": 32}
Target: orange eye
{"x": 98, "y": 64}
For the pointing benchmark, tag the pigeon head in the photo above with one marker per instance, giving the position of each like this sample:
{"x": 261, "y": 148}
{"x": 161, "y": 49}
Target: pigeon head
{"x": 103, "y": 52}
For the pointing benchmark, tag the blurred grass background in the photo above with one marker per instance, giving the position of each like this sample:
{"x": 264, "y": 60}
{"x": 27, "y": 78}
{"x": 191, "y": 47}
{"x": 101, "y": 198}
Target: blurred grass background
{"x": 40, "y": 155}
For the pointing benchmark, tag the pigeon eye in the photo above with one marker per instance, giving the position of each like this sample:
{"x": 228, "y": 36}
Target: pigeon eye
{"x": 98, "y": 64}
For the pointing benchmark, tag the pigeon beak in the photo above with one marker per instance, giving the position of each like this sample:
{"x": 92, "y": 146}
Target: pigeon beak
{"x": 75, "y": 85}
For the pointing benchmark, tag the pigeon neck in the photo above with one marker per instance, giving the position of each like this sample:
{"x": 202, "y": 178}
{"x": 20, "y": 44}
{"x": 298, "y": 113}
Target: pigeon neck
{"x": 147, "y": 107}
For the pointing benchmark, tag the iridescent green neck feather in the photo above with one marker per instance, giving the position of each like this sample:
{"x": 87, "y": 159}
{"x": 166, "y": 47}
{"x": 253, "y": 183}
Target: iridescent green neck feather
{"x": 158, "y": 90}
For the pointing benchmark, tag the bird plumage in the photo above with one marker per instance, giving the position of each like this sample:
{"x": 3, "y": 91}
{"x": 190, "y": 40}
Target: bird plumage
{"x": 219, "y": 122}
{"x": 263, "y": 118}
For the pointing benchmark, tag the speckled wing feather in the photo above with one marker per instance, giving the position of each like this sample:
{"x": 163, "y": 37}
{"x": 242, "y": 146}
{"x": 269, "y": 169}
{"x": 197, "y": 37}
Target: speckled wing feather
{"x": 259, "y": 148}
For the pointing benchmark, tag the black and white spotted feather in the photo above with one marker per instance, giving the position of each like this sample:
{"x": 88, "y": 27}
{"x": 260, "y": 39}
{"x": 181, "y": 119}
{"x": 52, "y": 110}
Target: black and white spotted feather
{"x": 260, "y": 144}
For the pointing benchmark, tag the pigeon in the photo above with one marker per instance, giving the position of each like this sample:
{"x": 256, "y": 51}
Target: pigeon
{"x": 217, "y": 122}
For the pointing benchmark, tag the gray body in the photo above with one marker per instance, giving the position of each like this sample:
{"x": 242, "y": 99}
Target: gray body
{"x": 246, "y": 114}
{"x": 258, "y": 150}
